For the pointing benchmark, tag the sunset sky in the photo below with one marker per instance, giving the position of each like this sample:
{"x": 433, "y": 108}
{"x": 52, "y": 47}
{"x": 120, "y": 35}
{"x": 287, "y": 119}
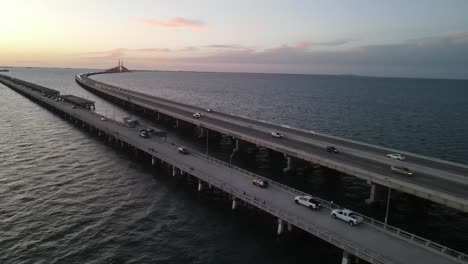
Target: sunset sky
{"x": 427, "y": 38}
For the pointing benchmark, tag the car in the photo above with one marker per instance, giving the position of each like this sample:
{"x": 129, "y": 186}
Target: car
{"x": 260, "y": 183}
{"x": 401, "y": 170}
{"x": 332, "y": 149}
{"x": 307, "y": 201}
{"x": 196, "y": 115}
{"x": 183, "y": 150}
{"x": 103, "y": 119}
{"x": 149, "y": 130}
{"x": 144, "y": 133}
{"x": 209, "y": 110}
{"x": 396, "y": 156}
{"x": 346, "y": 215}
{"x": 276, "y": 135}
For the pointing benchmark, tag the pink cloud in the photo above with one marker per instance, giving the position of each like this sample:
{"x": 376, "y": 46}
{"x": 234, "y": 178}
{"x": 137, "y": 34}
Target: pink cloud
{"x": 176, "y": 22}
{"x": 455, "y": 35}
{"x": 331, "y": 43}
{"x": 442, "y": 39}
{"x": 123, "y": 52}
{"x": 301, "y": 45}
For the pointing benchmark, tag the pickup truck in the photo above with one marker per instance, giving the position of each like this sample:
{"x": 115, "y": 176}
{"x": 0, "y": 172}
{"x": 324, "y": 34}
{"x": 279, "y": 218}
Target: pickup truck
{"x": 346, "y": 215}
{"x": 307, "y": 201}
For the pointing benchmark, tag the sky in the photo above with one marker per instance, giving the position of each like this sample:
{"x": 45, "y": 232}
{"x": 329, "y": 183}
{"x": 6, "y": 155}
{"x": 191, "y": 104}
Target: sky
{"x": 417, "y": 38}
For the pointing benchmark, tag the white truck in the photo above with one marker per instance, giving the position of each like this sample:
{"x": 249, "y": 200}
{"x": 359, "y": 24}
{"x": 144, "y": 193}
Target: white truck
{"x": 307, "y": 201}
{"x": 346, "y": 215}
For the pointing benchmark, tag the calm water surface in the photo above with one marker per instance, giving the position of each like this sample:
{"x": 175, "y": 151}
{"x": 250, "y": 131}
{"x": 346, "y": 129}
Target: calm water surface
{"x": 67, "y": 197}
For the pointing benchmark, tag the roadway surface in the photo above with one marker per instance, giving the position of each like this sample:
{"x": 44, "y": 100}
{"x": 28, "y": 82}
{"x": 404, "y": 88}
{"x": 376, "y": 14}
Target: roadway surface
{"x": 365, "y": 237}
{"x": 378, "y": 151}
{"x": 446, "y": 179}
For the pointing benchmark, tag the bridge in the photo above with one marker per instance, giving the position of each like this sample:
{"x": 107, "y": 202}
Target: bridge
{"x": 372, "y": 241}
{"x": 437, "y": 180}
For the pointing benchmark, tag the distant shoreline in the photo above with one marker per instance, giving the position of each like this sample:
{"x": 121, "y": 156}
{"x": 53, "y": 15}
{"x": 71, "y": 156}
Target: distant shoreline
{"x": 271, "y": 73}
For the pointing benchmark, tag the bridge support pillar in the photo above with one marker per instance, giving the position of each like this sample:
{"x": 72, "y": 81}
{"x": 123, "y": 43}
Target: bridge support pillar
{"x": 290, "y": 227}
{"x": 375, "y": 193}
{"x": 176, "y": 123}
{"x": 280, "y": 227}
{"x": 200, "y": 185}
{"x": 236, "y": 148}
{"x": 200, "y": 132}
{"x": 234, "y": 204}
{"x": 346, "y": 258}
{"x": 157, "y": 116}
{"x": 173, "y": 171}
{"x": 153, "y": 160}
{"x": 121, "y": 144}
{"x": 289, "y": 163}
{"x": 99, "y": 133}
{"x": 110, "y": 138}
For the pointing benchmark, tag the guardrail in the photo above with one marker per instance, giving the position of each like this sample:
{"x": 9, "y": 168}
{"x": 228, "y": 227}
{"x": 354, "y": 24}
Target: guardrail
{"x": 436, "y": 247}
{"x": 427, "y": 192}
{"x": 373, "y": 222}
{"x": 168, "y": 103}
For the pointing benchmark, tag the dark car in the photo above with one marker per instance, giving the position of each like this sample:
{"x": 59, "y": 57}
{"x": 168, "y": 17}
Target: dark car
{"x": 260, "y": 183}
{"x": 331, "y": 149}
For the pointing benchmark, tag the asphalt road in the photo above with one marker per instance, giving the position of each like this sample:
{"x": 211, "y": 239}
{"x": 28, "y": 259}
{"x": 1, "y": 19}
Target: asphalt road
{"x": 365, "y": 157}
{"x": 379, "y": 151}
{"x": 364, "y": 236}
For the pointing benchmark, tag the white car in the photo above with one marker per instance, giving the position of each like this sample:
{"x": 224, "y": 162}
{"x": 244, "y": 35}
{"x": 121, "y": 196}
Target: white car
{"x": 346, "y": 215}
{"x": 307, "y": 201}
{"x": 401, "y": 170}
{"x": 182, "y": 150}
{"x": 396, "y": 156}
{"x": 103, "y": 119}
{"x": 209, "y": 110}
{"x": 276, "y": 135}
{"x": 260, "y": 183}
{"x": 144, "y": 133}
{"x": 196, "y": 115}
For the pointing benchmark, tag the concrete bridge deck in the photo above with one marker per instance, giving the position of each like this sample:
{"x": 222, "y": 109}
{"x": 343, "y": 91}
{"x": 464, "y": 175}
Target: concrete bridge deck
{"x": 372, "y": 241}
{"x": 437, "y": 180}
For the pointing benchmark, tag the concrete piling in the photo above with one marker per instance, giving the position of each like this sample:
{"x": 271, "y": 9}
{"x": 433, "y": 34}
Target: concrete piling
{"x": 234, "y": 204}
{"x": 280, "y": 227}
{"x": 346, "y": 259}
{"x": 200, "y": 186}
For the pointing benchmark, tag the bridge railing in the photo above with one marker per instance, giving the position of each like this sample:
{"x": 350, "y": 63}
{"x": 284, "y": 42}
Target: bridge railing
{"x": 461, "y": 257}
{"x": 378, "y": 224}
{"x": 373, "y": 222}
{"x": 325, "y": 235}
